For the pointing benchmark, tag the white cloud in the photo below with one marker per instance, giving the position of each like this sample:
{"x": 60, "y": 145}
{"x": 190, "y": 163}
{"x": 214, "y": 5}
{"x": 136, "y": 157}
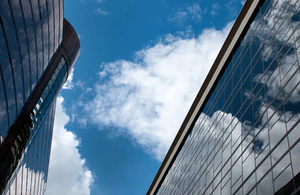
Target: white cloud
{"x": 68, "y": 173}
{"x": 223, "y": 141}
{"x": 215, "y": 8}
{"x": 283, "y": 76}
{"x": 101, "y": 12}
{"x": 232, "y": 9}
{"x": 21, "y": 179}
{"x": 179, "y": 16}
{"x": 207, "y": 136}
{"x": 192, "y": 12}
{"x": 282, "y": 82}
{"x": 80, "y": 84}
{"x": 97, "y": 1}
{"x": 195, "y": 11}
{"x": 69, "y": 84}
{"x": 149, "y": 97}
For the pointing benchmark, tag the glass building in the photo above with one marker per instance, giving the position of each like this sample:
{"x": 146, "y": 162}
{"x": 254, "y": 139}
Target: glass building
{"x": 38, "y": 49}
{"x": 242, "y": 133}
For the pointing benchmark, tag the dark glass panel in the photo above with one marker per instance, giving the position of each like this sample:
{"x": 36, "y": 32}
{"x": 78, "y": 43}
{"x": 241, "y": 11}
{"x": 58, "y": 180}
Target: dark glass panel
{"x": 33, "y": 68}
{"x": 8, "y": 80}
{"x": 26, "y": 69}
{"x": 214, "y": 98}
{"x": 22, "y": 44}
{"x": 61, "y": 7}
{"x": 51, "y": 26}
{"x": 38, "y": 37}
{"x": 22, "y": 40}
{"x": 227, "y": 90}
{"x": 45, "y": 31}
{"x": 17, "y": 73}
{"x": 236, "y": 94}
{"x": 3, "y": 114}
{"x": 56, "y": 23}
{"x": 14, "y": 57}
{"x": 3, "y": 4}
{"x": 26, "y": 7}
{"x": 296, "y": 16}
{"x": 222, "y": 99}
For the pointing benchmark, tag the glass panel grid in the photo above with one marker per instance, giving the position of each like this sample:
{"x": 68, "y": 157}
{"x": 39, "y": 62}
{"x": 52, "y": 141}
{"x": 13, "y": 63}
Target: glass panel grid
{"x": 243, "y": 139}
{"x": 35, "y": 157}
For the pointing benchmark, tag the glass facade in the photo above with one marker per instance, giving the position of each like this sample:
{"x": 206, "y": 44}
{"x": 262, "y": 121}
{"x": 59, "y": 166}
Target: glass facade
{"x": 30, "y": 176}
{"x": 246, "y": 140}
{"x": 30, "y": 34}
{"x": 38, "y": 48}
{"x": 33, "y": 165}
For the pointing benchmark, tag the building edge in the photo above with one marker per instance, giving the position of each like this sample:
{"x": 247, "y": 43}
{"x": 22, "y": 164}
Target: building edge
{"x": 232, "y": 42}
{"x": 69, "y": 49}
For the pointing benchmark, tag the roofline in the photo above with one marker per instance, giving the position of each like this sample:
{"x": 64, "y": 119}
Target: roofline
{"x": 232, "y": 42}
{"x": 70, "y": 45}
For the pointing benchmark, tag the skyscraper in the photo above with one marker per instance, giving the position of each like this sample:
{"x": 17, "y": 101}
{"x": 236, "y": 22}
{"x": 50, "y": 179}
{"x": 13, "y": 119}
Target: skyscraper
{"x": 241, "y": 134}
{"x": 38, "y": 48}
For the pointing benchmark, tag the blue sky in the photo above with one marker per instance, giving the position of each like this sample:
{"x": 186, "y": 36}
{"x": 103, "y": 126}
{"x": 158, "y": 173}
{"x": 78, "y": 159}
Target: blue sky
{"x": 139, "y": 69}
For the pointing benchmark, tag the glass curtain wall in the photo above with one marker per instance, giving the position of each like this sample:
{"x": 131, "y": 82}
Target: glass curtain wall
{"x": 30, "y": 33}
{"x": 246, "y": 140}
{"x": 32, "y": 168}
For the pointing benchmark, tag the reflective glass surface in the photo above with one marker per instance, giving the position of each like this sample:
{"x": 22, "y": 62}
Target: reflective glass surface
{"x": 30, "y": 33}
{"x": 246, "y": 140}
{"x": 30, "y": 175}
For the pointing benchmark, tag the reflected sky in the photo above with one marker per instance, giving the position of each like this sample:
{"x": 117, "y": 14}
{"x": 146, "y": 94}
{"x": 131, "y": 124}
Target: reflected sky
{"x": 246, "y": 139}
{"x": 29, "y": 170}
{"x": 28, "y": 40}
